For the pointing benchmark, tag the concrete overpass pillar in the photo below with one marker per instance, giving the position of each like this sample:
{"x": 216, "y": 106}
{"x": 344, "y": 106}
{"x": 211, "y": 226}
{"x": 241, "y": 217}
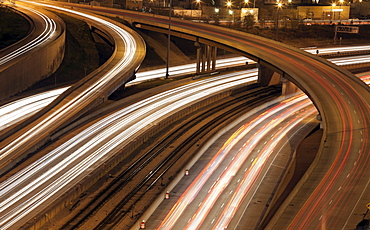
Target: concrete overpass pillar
{"x": 267, "y": 76}
{"x": 199, "y": 52}
{"x": 206, "y": 58}
{"x": 288, "y": 87}
{"x": 214, "y": 55}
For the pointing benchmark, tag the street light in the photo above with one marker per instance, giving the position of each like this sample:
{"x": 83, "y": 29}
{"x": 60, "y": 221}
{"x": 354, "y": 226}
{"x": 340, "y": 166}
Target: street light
{"x": 231, "y": 13}
{"x": 168, "y": 40}
{"x": 340, "y": 3}
{"x": 199, "y": 5}
{"x": 333, "y": 5}
{"x": 246, "y": 2}
{"x": 216, "y": 13}
{"x": 279, "y": 5}
{"x": 229, "y": 4}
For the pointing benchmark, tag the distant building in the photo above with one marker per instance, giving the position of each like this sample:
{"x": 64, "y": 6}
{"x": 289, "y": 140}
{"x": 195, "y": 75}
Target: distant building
{"x": 324, "y": 12}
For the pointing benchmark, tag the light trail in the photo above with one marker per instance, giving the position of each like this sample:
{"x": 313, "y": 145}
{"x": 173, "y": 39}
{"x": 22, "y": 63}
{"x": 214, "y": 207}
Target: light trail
{"x": 332, "y": 50}
{"x": 47, "y": 33}
{"x": 251, "y": 174}
{"x": 352, "y": 101}
{"x": 195, "y": 187}
{"x": 341, "y": 99}
{"x": 84, "y": 97}
{"x": 255, "y": 169}
{"x": 32, "y": 105}
{"x": 37, "y": 185}
{"x": 18, "y": 110}
{"x": 351, "y": 60}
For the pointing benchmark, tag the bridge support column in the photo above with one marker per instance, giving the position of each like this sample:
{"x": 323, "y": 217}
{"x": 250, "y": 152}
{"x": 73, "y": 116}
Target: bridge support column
{"x": 206, "y": 58}
{"x": 288, "y": 87}
{"x": 267, "y": 76}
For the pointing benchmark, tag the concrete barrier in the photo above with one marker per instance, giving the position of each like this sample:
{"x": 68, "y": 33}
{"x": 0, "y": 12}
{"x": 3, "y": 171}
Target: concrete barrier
{"x": 34, "y": 66}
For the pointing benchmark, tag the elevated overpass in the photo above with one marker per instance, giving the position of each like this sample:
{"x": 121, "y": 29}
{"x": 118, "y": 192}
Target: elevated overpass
{"x": 89, "y": 92}
{"x": 45, "y": 43}
{"x": 342, "y": 101}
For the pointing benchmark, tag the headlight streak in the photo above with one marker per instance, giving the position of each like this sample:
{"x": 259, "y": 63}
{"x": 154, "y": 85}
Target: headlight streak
{"x": 194, "y": 188}
{"x": 351, "y": 60}
{"x": 236, "y": 164}
{"x": 15, "y": 111}
{"x": 337, "y": 49}
{"x": 44, "y": 36}
{"x": 82, "y": 99}
{"x": 15, "y": 116}
{"x": 127, "y": 123}
{"x": 90, "y": 92}
{"x": 254, "y": 171}
{"x": 235, "y": 61}
{"x": 341, "y": 99}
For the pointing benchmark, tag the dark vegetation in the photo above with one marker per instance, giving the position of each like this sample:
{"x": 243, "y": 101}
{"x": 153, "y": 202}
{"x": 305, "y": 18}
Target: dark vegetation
{"x": 13, "y": 27}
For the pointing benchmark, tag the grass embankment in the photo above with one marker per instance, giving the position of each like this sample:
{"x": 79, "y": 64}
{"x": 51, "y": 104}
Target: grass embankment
{"x": 13, "y": 27}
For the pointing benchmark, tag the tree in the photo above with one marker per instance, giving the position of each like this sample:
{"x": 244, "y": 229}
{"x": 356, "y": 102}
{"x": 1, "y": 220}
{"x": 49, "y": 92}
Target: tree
{"x": 249, "y": 21}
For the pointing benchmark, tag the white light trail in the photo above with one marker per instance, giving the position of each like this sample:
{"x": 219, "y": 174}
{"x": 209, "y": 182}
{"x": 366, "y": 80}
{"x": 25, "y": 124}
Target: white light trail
{"x": 33, "y": 186}
{"x": 88, "y": 94}
{"x": 50, "y": 27}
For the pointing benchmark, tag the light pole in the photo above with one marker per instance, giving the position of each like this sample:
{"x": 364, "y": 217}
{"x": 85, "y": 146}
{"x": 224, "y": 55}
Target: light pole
{"x": 333, "y": 5}
{"x": 231, "y": 12}
{"x": 199, "y": 5}
{"x": 168, "y": 40}
{"x": 228, "y": 6}
{"x": 217, "y": 11}
{"x": 340, "y": 10}
{"x": 279, "y": 5}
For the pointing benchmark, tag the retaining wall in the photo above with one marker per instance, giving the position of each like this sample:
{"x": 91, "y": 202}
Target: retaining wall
{"x": 36, "y": 65}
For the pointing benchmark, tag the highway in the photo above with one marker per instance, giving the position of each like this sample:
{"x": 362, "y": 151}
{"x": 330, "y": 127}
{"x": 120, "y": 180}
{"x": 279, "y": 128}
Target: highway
{"x": 90, "y": 138}
{"x": 47, "y": 33}
{"x": 343, "y": 104}
{"x": 36, "y": 186}
{"x": 336, "y": 93}
{"x": 245, "y": 156}
{"x": 337, "y": 50}
{"x": 246, "y": 170}
{"x": 43, "y": 30}
{"x": 81, "y": 97}
{"x": 15, "y": 111}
